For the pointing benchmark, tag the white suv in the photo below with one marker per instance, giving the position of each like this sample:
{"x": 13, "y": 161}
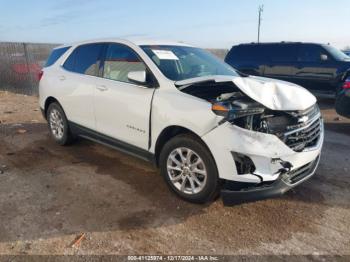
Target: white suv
{"x": 206, "y": 126}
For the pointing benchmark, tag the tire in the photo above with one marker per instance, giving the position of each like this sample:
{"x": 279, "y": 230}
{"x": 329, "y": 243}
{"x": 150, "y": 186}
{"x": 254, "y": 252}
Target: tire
{"x": 200, "y": 160}
{"x": 58, "y": 125}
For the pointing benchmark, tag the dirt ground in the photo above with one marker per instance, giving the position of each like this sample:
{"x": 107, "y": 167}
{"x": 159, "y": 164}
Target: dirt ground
{"x": 51, "y": 194}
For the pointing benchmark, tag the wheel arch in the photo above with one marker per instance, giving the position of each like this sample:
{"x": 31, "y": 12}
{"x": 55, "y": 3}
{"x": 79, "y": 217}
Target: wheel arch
{"x": 170, "y": 132}
{"x": 49, "y": 100}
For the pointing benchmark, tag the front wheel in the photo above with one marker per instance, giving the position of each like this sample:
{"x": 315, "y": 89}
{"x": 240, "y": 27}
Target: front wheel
{"x": 189, "y": 169}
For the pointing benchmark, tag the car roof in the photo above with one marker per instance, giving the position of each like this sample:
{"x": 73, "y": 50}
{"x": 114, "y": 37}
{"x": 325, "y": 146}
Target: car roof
{"x": 128, "y": 41}
{"x": 279, "y": 43}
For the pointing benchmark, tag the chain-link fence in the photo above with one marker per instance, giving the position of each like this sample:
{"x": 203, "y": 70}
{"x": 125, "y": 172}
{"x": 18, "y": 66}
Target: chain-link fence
{"x": 20, "y": 64}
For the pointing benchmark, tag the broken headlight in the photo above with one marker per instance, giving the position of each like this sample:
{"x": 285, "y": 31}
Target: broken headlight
{"x": 248, "y": 114}
{"x": 239, "y": 113}
{"x": 237, "y": 110}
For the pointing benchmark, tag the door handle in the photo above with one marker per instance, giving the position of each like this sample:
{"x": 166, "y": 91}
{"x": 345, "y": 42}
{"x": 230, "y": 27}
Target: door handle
{"x": 102, "y": 88}
{"x": 62, "y": 78}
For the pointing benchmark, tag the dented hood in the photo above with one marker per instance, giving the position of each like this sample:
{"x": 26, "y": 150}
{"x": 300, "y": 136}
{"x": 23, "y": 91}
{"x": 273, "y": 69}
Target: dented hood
{"x": 273, "y": 94}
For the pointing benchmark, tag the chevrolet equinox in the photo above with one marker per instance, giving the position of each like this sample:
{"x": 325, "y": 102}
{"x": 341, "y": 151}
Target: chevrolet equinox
{"x": 207, "y": 127}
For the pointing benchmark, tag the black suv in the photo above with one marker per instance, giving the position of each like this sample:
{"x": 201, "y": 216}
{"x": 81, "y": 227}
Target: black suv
{"x": 322, "y": 69}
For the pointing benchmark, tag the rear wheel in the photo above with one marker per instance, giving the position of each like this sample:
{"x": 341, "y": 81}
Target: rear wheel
{"x": 189, "y": 169}
{"x": 58, "y": 124}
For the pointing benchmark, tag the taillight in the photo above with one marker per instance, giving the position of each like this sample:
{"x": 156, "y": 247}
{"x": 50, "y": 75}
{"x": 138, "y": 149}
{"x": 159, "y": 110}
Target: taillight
{"x": 40, "y": 75}
{"x": 346, "y": 84}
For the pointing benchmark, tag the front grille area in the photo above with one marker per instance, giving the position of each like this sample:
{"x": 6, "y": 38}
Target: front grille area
{"x": 300, "y": 173}
{"x": 307, "y": 132}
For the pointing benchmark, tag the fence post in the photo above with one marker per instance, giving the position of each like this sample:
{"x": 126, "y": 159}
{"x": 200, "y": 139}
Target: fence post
{"x": 31, "y": 80}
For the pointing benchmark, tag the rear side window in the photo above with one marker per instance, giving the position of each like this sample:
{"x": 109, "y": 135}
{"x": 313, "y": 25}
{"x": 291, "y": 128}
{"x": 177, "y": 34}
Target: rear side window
{"x": 83, "y": 59}
{"x": 247, "y": 53}
{"x": 119, "y": 61}
{"x": 282, "y": 53}
{"x": 55, "y": 55}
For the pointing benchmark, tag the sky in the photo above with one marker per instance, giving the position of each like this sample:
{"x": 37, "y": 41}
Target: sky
{"x": 204, "y": 23}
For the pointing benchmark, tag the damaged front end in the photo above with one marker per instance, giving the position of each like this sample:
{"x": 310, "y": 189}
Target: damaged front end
{"x": 298, "y": 129}
{"x": 261, "y": 149}
{"x": 237, "y": 193}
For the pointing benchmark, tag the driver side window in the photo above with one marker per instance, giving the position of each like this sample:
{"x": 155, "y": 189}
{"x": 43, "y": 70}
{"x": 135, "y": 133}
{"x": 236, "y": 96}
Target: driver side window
{"x": 310, "y": 53}
{"x": 120, "y": 61}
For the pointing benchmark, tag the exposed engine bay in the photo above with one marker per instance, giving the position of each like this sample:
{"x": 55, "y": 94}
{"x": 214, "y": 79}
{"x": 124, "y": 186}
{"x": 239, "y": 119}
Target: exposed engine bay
{"x": 297, "y": 129}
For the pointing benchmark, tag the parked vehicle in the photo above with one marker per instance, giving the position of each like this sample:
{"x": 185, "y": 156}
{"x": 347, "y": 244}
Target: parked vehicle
{"x": 319, "y": 68}
{"x": 205, "y": 126}
{"x": 342, "y": 103}
{"x": 17, "y": 72}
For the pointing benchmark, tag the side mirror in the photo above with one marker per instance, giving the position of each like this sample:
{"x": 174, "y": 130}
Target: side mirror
{"x": 324, "y": 57}
{"x": 138, "y": 77}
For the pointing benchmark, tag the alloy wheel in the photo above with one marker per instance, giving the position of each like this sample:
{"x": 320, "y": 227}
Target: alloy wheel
{"x": 186, "y": 170}
{"x": 56, "y": 124}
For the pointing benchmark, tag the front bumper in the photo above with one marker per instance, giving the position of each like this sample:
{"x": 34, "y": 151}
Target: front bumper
{"x": 274, "y": 163}
{"x": 263, "y": 149}
{"x": 277, "y": 188}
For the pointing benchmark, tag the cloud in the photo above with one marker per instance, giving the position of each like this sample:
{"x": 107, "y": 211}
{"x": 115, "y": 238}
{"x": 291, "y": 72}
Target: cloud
{"x": 65, "y": 11}
{"x": 70, "y": 4}
{"x": 58, "y": 19}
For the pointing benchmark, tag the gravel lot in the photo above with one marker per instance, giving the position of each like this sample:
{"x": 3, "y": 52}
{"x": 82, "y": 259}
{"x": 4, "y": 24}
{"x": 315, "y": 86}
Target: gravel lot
{"x": 51, "y": 194}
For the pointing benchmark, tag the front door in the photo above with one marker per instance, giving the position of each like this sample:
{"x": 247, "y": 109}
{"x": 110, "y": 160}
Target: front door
{"x": 122, "y": 108}
{"x": 316, "y": 69}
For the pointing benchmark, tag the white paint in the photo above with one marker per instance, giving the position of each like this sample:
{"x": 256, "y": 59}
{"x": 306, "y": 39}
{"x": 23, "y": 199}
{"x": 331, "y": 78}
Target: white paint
{"x": 260, "y": 147}
{"x": 272, "y": 93}
{"x": 119, "y": 106}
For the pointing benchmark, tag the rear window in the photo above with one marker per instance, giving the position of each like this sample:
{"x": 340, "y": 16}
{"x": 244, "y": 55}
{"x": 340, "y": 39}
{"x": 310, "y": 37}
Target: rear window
{"x": 84, "y": 59}
{"x": 55, "y": 55}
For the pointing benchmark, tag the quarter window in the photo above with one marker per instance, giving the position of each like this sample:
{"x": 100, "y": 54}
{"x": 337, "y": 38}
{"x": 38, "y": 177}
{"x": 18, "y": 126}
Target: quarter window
{"x": 55, "y": 55}
{"x": 84, "y": 59}
{"x": 120, "y": 60}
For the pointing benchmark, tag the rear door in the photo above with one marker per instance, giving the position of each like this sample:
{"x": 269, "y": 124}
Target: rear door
{"x": 281, "y": 59}
{"x": 122, "y": 108}
{"x": 313, "y": 72}
{"x": 77, "y": 82}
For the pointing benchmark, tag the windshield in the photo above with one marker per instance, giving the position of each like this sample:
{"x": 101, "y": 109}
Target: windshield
{"x": 336, "y": 53}
{"x": 182, "y": 62}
